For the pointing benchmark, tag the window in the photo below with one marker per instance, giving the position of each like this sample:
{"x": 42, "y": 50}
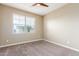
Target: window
{"x": 23, "y": 23}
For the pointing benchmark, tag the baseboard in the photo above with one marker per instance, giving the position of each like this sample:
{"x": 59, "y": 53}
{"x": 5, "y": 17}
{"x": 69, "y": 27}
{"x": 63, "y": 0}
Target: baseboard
{"x": 62, "y": 45}
{"x": 20, "y": 43}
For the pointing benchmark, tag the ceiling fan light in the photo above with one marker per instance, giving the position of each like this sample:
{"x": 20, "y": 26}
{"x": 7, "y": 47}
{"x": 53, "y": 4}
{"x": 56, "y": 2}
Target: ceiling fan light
{"x": 38, "y": 5}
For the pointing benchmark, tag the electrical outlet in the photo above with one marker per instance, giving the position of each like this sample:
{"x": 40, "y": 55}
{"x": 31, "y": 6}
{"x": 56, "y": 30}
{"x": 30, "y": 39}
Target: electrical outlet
{"x": 7, "y": 40}
{"x": 68, "y": 42}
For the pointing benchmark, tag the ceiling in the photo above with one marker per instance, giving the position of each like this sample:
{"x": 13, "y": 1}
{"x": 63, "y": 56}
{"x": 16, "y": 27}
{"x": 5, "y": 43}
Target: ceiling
{"x": 37, "y": 10}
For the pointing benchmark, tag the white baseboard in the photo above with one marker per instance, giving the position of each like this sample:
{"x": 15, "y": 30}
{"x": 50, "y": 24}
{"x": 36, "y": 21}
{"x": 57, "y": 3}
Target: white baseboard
{"x": 19, "y": 43}
{"x": 62, "y": 45}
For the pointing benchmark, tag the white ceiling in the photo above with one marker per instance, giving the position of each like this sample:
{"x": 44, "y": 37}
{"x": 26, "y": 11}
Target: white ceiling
{"x": 36, "y": 10}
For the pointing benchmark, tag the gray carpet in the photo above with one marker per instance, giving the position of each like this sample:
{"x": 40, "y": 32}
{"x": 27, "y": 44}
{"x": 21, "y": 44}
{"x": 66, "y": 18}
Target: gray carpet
{"x": 39, "y": 48}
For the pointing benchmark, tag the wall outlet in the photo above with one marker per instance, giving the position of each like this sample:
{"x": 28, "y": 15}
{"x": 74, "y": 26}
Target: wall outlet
{"x": 7, "y": 40}
{"x": 68, "y": 42}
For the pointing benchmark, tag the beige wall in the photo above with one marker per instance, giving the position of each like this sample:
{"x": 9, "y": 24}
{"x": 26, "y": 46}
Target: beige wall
{"x": 7, "y": 26}
{"x": 0, "y": 24}
{"x": 62, "y": 26}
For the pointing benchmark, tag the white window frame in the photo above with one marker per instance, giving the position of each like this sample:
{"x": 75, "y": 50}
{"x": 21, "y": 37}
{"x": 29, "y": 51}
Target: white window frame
{"x": 25, "y": 22}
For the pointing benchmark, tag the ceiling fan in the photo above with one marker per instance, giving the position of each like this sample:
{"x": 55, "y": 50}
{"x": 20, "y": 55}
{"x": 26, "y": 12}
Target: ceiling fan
{"x": 40, "y": 4}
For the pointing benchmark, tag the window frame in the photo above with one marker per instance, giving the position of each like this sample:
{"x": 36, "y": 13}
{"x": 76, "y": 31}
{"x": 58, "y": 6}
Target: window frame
{"x": 25, "y": 23}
